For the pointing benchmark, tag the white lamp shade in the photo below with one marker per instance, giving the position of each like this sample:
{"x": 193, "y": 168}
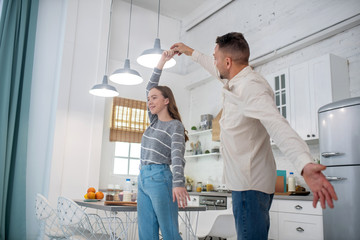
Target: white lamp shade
{"x": 104, "y": 89}
{"x": 126, "y": 75}
{"x": 151, "y": 60}
{"x": 150, "y": 57}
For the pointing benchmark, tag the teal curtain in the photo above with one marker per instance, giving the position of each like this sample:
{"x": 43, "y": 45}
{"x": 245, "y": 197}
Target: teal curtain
{"x": 17, "y": 37}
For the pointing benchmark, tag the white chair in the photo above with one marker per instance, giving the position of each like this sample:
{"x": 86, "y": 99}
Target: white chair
{"x": 47, "y": 218}
{"x": 219, "y": 224}
{"x": 76, "y": 224}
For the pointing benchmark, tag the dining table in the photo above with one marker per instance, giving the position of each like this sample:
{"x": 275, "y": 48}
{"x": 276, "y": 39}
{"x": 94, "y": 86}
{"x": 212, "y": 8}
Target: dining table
{"x": 189, "y": 217}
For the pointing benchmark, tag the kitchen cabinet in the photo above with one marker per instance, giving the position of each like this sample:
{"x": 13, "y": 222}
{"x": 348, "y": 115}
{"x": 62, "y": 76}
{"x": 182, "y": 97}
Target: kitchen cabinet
{"x": 279, "y": 82}
{"x": 303, "y": 88}
{"x": 295, "y": 219}
{"x": 313, "y": 84}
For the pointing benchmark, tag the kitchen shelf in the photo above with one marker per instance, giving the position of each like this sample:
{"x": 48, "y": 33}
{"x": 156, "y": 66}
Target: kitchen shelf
{"x": 202, "y": 155}
{"x": 196, "y": 133}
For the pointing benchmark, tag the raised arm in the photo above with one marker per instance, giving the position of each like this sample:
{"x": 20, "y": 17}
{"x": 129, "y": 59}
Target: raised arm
{"x": 155, "y": 77}
{"x": 207, "y": 62}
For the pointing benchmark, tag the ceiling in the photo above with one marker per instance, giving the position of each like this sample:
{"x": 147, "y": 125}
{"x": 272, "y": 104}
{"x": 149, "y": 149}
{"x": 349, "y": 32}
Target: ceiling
{"x": 191, "y": 12}
{"x": 170, "y": 8}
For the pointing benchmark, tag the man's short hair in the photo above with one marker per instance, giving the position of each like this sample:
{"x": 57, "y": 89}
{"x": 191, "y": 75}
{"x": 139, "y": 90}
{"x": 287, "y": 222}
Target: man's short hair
{"x": 234, "y": 44}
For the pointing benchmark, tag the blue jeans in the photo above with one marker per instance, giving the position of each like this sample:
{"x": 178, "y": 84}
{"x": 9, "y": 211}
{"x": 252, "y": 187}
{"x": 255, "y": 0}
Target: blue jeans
{"x": 251, "y": 213}
{"x": 155, "y": 204}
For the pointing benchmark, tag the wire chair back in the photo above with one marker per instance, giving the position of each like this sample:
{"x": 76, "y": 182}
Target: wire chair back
{"x": 77, "y": 224}
{"x": 47, "y": 218}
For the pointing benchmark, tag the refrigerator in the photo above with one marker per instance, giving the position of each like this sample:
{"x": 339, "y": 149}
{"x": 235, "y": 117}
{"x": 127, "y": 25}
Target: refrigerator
{"x": 339, "y": 143}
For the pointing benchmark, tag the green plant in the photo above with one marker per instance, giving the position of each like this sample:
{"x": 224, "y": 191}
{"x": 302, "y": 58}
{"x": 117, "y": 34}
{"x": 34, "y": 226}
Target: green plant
{"x": 207, "y": 151}
{"x": 193, "y": 128}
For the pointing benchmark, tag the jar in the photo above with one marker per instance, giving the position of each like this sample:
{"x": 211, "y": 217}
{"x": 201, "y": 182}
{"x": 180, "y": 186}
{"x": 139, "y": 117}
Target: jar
{"x": 198, "y": 186}
{"x": 116, "y": 193}
{"x": 110, "y": 193}
{"x": 209, "y": 187}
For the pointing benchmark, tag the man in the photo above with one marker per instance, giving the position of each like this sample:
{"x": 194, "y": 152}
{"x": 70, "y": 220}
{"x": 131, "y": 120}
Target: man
{"x": 249, "y": 118}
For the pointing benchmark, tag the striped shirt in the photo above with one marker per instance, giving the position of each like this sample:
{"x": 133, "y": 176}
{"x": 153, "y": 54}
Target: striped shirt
{"x": 164, "y": 142}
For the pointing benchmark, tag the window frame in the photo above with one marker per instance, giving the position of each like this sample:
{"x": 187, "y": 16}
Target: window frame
{"x": 128, "y": 158}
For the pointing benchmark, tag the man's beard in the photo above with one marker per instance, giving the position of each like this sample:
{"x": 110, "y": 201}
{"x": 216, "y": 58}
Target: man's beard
{"x": 219, "y": 75}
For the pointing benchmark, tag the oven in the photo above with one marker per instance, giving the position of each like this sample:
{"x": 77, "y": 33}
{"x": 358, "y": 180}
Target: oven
{"x": 213, "y": 202}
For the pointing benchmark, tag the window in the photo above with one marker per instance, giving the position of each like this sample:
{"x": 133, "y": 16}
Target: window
{"x": 127, "y": 158}
{"x": 129, "y": 120}
{"x": 128, "y": 123}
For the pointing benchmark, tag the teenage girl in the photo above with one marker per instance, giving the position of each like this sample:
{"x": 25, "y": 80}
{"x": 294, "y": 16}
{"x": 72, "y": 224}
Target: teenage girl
{"x": 161, "y": 188}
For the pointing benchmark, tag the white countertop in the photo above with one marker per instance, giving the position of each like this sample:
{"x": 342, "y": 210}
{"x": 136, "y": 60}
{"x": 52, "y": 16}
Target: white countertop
{"x": 279, "y": 197}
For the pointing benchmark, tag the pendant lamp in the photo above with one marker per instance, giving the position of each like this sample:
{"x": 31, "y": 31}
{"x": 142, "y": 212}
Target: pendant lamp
{"x": 150, "y": 57}
{"x": 126, "y": 75}
{"x": 104, "y": 89}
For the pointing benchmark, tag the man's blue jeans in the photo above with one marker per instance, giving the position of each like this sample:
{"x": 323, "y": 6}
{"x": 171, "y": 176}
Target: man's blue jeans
{"x": 251, "y": 213}
{"x": 155, "y": 204}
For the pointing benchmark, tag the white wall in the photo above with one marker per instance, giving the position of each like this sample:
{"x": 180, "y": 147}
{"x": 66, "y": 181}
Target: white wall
{"x": 79, "y": 115}
{"x": 44, "y": 93}
{"x": 268, "y": 25}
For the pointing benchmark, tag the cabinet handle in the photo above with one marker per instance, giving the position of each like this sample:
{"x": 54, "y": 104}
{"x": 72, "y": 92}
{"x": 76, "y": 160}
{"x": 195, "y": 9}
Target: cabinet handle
{"x": 300, "y": 229}
{"x": 313, "y": 135}
{"x": 308, "y": 135}
{"x": 298, "y": 207}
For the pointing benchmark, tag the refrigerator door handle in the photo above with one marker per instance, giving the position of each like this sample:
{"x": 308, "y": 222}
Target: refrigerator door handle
{"x": 331, "y": 154}
{"x": 332, "y": 178}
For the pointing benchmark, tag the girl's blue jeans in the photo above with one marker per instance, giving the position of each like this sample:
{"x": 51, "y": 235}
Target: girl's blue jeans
{"x": 155, "y": 205}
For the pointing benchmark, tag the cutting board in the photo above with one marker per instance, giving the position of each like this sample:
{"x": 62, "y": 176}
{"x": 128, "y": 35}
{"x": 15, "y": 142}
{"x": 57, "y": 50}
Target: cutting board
{"x": 120, "y": 203}
{"x": 282, "y": 173}
{"x": 301, "y": 193}
{"x": 279, "y": 186}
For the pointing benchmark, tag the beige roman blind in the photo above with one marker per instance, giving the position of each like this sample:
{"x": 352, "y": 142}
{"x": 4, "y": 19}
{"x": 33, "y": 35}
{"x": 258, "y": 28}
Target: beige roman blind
{"x": 129, "y": 120}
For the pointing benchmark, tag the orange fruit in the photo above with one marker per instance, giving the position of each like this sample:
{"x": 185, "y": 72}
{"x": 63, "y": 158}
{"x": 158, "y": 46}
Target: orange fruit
{"x": 91, "y": 189}
{"x": 91, "y": 195}
{"x": 85, "y": 196}
{"x": 99, "y": 195}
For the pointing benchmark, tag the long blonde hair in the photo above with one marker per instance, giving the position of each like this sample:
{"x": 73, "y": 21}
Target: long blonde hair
{"x": 172, "y": 107}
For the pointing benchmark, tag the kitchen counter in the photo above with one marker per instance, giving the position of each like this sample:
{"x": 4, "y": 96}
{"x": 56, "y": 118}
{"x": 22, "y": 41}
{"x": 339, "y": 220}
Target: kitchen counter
{"x": 225, "y": 194}
{"x": 294, "y": 197}
{"x": 278, "y": 197}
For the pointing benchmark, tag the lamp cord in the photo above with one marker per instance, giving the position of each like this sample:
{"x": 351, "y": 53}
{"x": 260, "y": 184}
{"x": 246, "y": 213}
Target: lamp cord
{"x": 108, "y": 43}
{"x": 127, "y": 54}
{"x": 157, "y": 35}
